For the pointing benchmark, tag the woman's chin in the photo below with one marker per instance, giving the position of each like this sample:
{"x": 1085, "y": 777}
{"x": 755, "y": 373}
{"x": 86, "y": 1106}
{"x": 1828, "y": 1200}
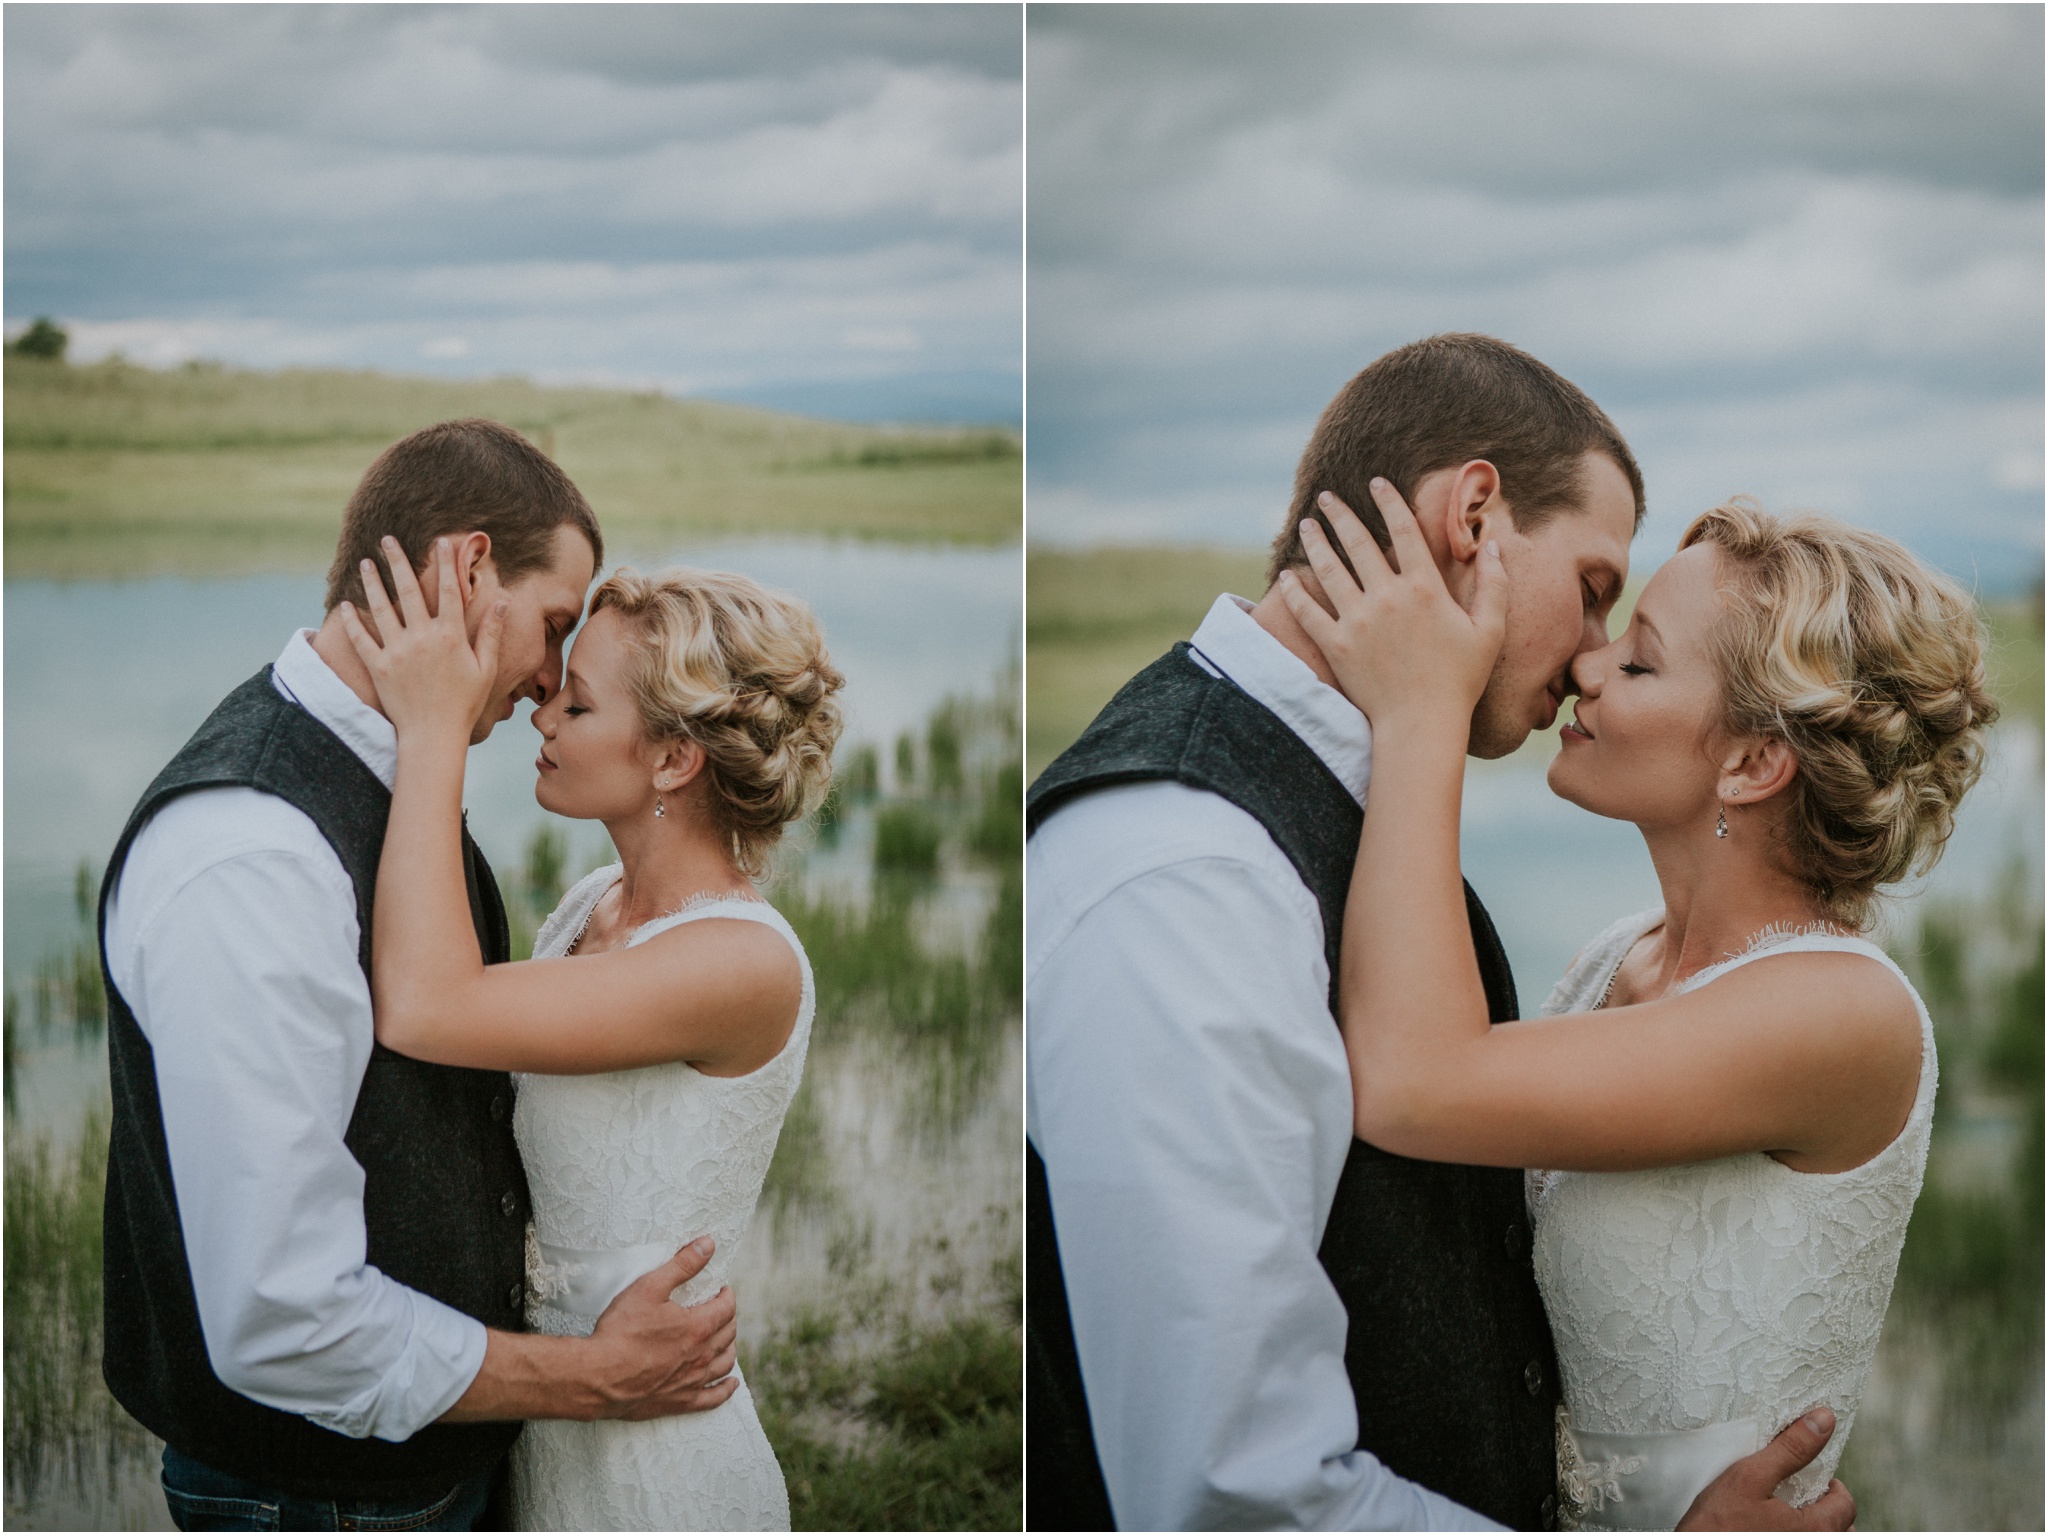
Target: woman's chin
{"x": 1567, "y": 786}
{"x": 1559, "y": 778}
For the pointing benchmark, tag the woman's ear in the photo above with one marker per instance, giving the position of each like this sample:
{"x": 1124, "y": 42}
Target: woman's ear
{"x": 680, "y": 764}
{"x": 1756, "y": 770}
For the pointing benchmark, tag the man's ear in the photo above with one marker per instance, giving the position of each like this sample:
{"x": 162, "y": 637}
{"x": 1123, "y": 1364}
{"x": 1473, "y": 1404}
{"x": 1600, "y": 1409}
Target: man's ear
{"x": 1754, "y": 770}
{"x": 472, "y": 559}
{"x": 1474, "y": 500}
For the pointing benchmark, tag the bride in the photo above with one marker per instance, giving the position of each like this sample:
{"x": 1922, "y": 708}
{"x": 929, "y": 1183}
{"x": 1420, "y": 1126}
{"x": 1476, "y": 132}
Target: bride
{"x": 696, "y": 721}
{"x": 1732, "y": 1092}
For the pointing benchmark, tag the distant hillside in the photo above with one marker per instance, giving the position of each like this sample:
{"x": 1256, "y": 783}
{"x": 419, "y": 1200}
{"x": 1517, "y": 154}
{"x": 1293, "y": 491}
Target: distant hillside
{"x": 117, "y": 469}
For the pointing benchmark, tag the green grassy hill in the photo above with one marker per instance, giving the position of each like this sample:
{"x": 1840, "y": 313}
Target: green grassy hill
{"x": 114, "y": 469}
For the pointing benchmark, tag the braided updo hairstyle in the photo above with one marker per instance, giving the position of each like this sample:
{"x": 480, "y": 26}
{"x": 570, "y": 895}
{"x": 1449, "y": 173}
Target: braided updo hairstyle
{"x": 742, "y": 671}
{"x": 1870, "y": 666}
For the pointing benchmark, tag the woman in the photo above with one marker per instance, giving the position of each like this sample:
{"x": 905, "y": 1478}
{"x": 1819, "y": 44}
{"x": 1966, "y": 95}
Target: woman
{"x": 696, "y": 721}
{"x": 1733, "y": 1091}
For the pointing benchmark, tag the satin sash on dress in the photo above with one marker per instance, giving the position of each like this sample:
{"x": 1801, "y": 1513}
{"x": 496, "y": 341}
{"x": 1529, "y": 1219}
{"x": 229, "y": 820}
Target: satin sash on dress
{"x": 584, "y": 1280}
{"x": 1643, "y": 1481}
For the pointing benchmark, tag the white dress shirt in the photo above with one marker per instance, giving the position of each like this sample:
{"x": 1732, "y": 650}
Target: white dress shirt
{"x": 232, "y": 936}
{"x": 1188, "y": 1091}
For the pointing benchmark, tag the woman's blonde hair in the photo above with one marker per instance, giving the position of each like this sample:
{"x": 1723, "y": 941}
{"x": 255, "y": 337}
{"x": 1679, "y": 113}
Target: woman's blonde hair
{"x": 742, "y": 671}
{"x": 1870, "y": 666}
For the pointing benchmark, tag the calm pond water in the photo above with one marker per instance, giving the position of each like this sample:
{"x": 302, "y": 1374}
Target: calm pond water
{"x": 106, "y": 679}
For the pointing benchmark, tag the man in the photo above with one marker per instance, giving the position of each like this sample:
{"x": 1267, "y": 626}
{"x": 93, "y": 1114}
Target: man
{"x": 1238, "y": 1316}
{"x": 315, "y": 1247}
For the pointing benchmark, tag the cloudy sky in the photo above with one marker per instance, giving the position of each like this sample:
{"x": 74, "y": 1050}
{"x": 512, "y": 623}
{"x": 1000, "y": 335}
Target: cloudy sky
{"x": 809, "y": 207}
{"x": 1794, "y": 250}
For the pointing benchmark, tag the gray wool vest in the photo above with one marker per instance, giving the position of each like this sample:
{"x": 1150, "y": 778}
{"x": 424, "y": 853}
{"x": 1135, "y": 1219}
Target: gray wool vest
{"x": 444, "y": 1196}
{"x": 1448, "y": 1349}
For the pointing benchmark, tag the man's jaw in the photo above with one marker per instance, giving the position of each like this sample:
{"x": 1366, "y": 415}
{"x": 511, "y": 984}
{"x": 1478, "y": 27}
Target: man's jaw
{"x": 480, "y": 732}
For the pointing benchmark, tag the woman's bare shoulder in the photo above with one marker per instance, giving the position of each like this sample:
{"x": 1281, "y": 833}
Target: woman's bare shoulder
{"x": 1851, "y": 1009}
{"x": 737, "y": 955}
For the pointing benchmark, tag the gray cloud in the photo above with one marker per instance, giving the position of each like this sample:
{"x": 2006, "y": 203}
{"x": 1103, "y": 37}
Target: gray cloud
{"x": 759, "y": 200}
{"x": 1793, "y": 249}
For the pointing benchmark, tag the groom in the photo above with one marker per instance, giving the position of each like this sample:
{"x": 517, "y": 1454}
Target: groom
{"x": 315, "y": 1247}
{"x": 1238, "y": 1316}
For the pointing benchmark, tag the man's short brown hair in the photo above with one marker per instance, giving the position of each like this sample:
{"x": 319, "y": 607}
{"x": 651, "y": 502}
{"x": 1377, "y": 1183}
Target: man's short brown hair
{"x": 459, "y": 477}
{"x": 1441, "y": 402}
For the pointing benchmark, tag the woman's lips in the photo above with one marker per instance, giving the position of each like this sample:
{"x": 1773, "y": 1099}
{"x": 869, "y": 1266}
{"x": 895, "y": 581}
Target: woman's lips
{"x": 543, "y": 764}
{"x": 1574, "y": 731}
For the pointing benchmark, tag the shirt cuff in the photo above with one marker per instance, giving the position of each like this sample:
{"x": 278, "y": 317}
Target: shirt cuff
{"x": 443, "y": 1352}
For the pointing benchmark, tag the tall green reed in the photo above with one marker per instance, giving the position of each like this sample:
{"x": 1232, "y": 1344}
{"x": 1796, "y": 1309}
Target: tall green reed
{"x": 1949, "y": 1433}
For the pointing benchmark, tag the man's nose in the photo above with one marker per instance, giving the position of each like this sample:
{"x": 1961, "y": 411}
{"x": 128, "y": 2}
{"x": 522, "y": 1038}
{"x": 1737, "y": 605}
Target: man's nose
{"x": 542, "y": 685}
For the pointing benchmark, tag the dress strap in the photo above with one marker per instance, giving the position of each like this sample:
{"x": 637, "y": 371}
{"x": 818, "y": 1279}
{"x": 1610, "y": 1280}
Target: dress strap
{"x": 565, "y": 924}
{"x": 717, "y": 904}
{"x": 1796, "y": 940}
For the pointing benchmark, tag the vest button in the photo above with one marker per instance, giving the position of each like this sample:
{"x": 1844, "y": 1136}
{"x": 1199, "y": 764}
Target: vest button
{"x": 510, "y": 1203}
{"x": 1532, "y": 1377}
{"x": 1517, "y": 1240}
{"x": 498, "y": 1109}
{"x": 516, "y": 1297}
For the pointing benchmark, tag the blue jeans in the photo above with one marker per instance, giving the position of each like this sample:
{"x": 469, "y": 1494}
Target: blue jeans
{"x": 202, "y": 1498}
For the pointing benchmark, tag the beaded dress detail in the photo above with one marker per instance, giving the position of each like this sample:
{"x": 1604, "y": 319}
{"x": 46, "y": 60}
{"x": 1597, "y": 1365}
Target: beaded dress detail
{"x": 1690, "y": 1301}
{"x": 624, "y": 1168}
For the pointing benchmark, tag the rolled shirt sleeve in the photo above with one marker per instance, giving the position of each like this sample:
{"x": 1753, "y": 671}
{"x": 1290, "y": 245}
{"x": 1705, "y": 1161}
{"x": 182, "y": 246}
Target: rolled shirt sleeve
{"x": 234, "y": 940}
{"x": 1189, "y": 1096}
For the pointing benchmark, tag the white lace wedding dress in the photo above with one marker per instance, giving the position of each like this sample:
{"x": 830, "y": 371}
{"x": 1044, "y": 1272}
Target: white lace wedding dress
{"x": 625, "y": 1167}
{"x": 1698, "y": 1310}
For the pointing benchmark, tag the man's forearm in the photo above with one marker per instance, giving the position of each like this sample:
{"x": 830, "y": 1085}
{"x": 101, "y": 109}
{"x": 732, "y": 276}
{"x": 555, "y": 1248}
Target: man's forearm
{"x": 525, "y": 1375}
{"x": 647, "y": 1358}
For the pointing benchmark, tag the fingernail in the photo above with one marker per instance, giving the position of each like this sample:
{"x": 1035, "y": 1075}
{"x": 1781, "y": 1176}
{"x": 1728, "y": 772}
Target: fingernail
{"x": 702, "y": 1245}
{"x": 1493, "y": 547}
{"x": 1821, "y": 1421}
{"x": 1381, "y": 481}
{"x": 1325, "y": 500}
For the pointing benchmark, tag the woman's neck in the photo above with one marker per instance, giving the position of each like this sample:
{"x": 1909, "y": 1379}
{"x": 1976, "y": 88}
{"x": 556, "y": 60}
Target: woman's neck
{"x": 1718, "y": 895}
{"x": 667, "y": 862}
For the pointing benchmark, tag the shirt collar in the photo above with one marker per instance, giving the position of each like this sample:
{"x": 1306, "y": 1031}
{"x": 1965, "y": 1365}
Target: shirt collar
{"x": 1237, "y": 646}
{"x": 300, "y": 675}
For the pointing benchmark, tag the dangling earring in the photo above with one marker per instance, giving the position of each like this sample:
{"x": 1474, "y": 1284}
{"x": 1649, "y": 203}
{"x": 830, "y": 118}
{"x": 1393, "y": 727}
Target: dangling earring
{"x": 659, "y": 811}
{"x": 1720, "y": 822}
